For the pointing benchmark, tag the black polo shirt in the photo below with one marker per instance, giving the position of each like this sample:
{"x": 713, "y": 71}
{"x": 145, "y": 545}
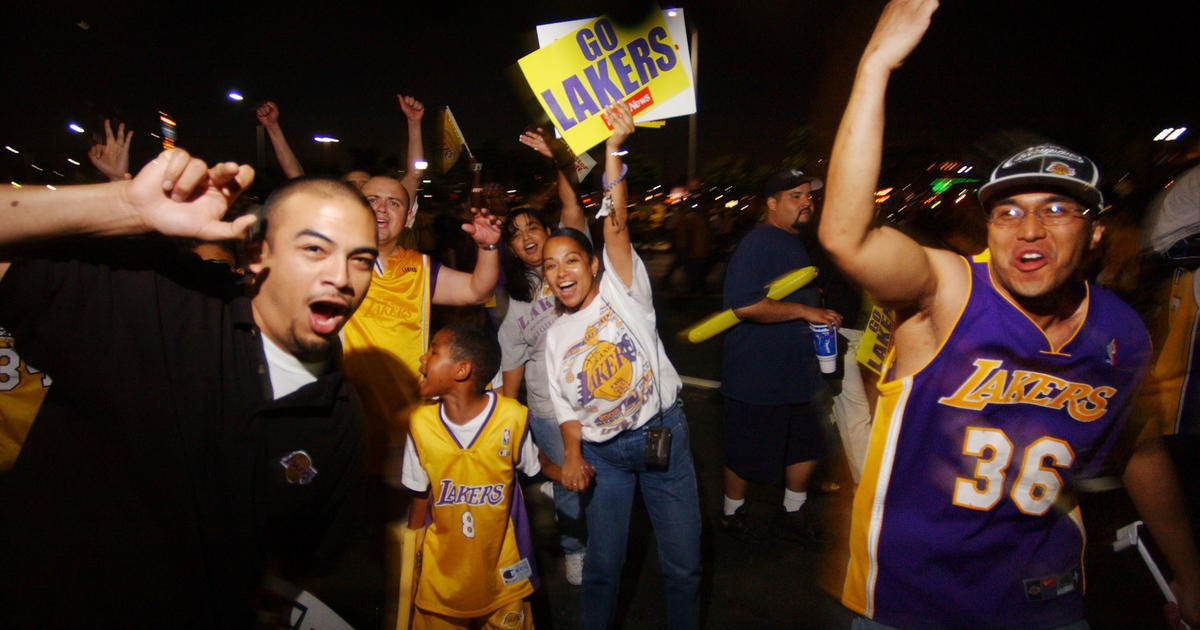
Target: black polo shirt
{"x": 154, "y": 484}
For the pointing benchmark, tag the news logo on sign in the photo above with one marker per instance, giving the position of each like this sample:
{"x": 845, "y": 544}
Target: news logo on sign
{"x": 598, "y": 62}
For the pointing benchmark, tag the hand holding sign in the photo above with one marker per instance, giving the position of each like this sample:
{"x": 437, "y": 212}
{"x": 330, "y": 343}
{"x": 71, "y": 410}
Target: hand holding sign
{"x": 620, "y": 117}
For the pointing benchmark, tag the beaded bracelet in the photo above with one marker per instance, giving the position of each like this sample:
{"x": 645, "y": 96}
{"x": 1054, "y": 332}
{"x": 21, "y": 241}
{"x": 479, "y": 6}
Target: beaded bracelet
{"x": 620, "y": 178}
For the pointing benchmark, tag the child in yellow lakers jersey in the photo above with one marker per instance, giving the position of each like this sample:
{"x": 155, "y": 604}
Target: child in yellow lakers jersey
{"x": 476, "y": 568}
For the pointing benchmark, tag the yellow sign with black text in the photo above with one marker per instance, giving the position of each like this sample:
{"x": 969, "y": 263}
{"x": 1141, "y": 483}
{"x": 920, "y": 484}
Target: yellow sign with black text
{"x": 578, "y": 75}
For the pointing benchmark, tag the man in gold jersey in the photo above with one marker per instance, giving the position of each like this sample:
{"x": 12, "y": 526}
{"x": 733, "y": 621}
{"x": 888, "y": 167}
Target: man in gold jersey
{"x": 385, "y": 339}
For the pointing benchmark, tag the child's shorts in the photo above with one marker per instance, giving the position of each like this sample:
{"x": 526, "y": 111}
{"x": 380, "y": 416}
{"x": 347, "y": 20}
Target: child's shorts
{"x": 512, "y": 616}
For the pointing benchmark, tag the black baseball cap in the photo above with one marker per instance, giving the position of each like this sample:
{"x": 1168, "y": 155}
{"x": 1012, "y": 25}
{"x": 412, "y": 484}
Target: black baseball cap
{"x": 788, "y": 179}
{"x": 1049, "y": 166}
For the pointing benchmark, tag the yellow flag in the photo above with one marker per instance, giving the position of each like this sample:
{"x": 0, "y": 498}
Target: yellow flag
{"x": 451, "y": 143}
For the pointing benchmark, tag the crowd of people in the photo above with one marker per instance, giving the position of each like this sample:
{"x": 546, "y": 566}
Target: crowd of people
{"x": 192, "y": 427}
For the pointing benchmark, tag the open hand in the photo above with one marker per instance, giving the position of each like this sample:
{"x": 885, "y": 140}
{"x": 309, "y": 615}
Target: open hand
{"x": 484, "y": 227}
{"x": 536, "y": 141}
{"x": 898, "y": 31}
{"x": 112, "y": 157}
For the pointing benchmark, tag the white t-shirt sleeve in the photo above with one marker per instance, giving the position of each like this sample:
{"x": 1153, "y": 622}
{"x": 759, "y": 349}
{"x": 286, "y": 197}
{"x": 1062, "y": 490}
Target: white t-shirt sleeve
{"x": 412, "y": 475}
{"x": 528, "y": 462}
{"x": 562, "y": 405}
{"x": 640, "y": 290}
{"x": 514, "y": 351}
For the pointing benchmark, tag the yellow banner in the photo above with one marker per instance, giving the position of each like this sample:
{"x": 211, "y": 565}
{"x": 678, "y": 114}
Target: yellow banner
{"x": 876, "y": 339}
{"x": 450, "y": 142}
{"x": 578, "y": 75}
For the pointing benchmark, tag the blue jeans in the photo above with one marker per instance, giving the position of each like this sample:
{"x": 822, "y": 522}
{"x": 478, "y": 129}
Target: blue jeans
{"x": 572, "y": 531}
{"x": 673, "y": 504}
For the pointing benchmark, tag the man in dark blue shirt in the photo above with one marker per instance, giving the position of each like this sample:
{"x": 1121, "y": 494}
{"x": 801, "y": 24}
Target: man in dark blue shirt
{"x": 770, "y": 375}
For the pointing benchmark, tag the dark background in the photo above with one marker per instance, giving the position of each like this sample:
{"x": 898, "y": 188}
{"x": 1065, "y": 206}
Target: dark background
{"x": 1094, "y": 76}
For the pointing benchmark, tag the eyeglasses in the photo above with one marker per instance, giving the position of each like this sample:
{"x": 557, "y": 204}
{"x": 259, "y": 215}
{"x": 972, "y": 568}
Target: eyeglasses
{"x": 1057, "y": 213}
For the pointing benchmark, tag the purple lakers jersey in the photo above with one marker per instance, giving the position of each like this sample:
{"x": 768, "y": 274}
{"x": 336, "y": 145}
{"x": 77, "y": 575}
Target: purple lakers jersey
{"x": 965, "y": 515}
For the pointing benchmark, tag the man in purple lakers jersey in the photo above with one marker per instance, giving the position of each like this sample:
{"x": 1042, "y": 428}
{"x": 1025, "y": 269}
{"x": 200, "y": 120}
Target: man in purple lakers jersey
{"x": 1011, "y": 376}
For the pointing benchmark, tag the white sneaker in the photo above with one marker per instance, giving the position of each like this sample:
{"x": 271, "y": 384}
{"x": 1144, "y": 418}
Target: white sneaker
{"x": 547, "y": 489}
{"x": 573, "y": 567}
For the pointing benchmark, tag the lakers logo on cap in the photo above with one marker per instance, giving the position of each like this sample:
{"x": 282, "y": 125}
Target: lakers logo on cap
{"x": 1060, "y": 168}
{"x": 298, "y": 467}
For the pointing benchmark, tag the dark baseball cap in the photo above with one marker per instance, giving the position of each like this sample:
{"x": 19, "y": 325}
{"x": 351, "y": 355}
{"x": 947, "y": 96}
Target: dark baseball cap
{"x": 788, "y": 179}
{"x": 1049, "y": 166}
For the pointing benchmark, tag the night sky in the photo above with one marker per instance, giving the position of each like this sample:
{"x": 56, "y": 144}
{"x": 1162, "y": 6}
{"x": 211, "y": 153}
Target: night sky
{"x": 1090, "y": 75}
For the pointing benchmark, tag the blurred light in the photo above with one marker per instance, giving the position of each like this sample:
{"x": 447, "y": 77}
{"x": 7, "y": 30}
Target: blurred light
{"x": 154, "y": 135}
{"x": 325, "y": 139}
{"x": 165, "y": 119}
{"x": 76, "y": 128}
{"x": 15, "y": 184}
{"x": 883, "y": 193}
{"x": 1163, "y": 134}
{"x": 420, "y": 165}
{"x": 11, "y": 150}
{"x": 428, "y": 196}
{"x": 672, "y": 13}
{"x": 51, "y": 187}
{"x": 962, "y": 195}
{"x": 512, "y": 192}
{"x": 935, "y": 204}
{"x": 1175, "y": 134}
{"x": 73, "y": 161}
{"x": 234, "y": 95}
{"x": 36, "y": 167}
{"x": 426, "y": 181}
{"x": 732, "y": 203}
{"x": 57, "y": 173}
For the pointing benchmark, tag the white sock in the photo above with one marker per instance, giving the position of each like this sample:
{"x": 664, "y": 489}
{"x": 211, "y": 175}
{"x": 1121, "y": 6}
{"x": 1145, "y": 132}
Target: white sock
{"x": 731, "y": 505}
{"x": 793, "y": 501}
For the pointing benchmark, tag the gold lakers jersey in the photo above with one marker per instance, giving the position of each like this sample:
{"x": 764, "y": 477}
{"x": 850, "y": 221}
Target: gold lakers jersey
{"x": 383, "y": 343}
{"x": 22, "y": 389}
{"x": 477, "y": 554}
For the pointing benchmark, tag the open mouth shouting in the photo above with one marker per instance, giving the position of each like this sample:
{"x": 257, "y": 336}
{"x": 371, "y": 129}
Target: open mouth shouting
{"x": 327, "y": 315}
{"x": 1030, "y": 260}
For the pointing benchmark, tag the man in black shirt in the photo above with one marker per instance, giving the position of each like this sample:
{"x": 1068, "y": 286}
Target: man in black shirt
{"x": 197, "y": 432}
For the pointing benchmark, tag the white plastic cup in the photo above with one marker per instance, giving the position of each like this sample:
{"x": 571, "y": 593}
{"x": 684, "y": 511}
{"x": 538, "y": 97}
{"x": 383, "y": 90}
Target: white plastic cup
{"x": 825, "y": 343}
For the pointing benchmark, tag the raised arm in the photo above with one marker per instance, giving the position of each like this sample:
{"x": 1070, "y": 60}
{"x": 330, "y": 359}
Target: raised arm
{"x": 572, "y": 212}
{"x": 455, "y": 288}
{"x": 888, "y": 264}
{"x": 616, "y": 231}
{"x": 174, "y": 194}
{"x": 268, "y": 117}
{"x": 414, "y": 111}
{"x": 112, "y": 157}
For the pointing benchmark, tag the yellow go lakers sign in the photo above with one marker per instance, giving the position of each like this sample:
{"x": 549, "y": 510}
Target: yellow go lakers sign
{"x": 575, "y": 77}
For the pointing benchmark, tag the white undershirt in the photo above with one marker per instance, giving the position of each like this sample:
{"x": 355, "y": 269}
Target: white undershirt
{"x": 287, "y": 372}
{"x": 413, "y": 476}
